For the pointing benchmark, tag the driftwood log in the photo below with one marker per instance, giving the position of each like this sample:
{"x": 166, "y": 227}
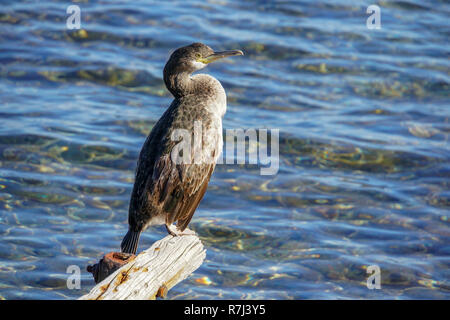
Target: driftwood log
{"x": 153, "y": 272}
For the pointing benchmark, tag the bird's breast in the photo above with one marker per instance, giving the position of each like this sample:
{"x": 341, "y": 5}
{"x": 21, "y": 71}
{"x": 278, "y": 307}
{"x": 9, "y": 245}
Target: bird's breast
{"x": 212, "y": 94}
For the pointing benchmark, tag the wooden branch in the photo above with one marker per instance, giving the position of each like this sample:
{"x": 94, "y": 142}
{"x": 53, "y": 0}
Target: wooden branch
{"x": 153, "y": 272}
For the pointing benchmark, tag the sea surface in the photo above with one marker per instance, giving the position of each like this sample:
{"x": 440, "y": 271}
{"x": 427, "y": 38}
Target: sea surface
{"x": 363, "y": 119}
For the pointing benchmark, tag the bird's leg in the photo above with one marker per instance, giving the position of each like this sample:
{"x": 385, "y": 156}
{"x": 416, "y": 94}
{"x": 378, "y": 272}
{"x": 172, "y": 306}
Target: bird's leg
{"x": 173, "y": 230}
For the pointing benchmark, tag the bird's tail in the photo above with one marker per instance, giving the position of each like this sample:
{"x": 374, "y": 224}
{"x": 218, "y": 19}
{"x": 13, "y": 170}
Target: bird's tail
{"x": 130, "y": 241}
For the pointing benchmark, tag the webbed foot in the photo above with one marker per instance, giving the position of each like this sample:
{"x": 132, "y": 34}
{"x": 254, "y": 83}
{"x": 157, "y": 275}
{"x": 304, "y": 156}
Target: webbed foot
{"x": 173, "y": 230}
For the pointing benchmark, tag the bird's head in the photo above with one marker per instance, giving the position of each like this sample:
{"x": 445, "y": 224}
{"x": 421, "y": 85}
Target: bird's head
{"x": 194, "y": 57}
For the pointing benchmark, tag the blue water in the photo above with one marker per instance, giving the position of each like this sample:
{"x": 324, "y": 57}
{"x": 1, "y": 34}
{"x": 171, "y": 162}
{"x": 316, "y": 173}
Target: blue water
{"x": 364, "y": 152}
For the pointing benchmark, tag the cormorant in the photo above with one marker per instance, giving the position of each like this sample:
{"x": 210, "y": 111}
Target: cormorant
{"x": 167, "y": 191}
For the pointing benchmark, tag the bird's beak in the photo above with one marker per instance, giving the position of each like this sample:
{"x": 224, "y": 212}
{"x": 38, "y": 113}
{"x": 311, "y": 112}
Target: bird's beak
{"x": 220, "y": 55}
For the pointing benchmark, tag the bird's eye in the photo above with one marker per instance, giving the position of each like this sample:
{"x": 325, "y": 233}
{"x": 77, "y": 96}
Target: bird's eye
{"x": 198, "y": 55}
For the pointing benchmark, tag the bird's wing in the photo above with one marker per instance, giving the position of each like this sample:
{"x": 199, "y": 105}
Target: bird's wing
{"x": 141, "y": 207}
{"x": 179, "y": 188}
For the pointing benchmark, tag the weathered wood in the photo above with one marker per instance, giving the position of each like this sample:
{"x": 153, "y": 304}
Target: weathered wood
{"x": 153, "y": 272}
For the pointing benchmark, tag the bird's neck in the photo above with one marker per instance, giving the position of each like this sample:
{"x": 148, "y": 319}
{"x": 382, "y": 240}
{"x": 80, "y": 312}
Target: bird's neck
{"x": 182, "y": 84}
{"x": 179, "y": 84}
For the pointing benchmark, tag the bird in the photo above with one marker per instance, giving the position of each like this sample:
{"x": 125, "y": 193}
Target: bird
{"x": 167, "y": 190}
